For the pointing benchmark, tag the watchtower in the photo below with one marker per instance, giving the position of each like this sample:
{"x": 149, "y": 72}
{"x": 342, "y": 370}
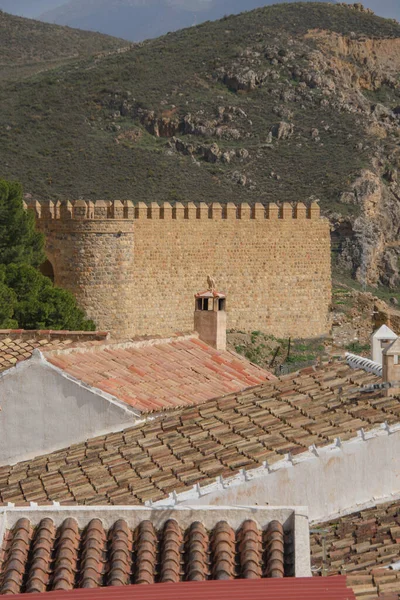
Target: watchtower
{"x": 90, "y": 250}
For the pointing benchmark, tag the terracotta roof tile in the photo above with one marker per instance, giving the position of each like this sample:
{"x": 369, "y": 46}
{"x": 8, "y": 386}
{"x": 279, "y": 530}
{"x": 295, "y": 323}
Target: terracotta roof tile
{"x": 49, "y": 558}
{"x": 332, "y": 588}
{"x": 361, "y": 545}
{"x": 162, "y": 374}
{"x": 192, "y": 445}
{"x": 18, "y": 345}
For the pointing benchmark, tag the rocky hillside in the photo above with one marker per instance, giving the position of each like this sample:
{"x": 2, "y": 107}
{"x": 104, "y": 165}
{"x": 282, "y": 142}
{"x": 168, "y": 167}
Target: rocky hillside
{"x": 289, "y": 102}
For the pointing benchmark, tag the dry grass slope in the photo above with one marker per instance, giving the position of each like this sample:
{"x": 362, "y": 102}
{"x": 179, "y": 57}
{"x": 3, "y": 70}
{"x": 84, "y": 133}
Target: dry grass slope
{"x": 79, "y": 129}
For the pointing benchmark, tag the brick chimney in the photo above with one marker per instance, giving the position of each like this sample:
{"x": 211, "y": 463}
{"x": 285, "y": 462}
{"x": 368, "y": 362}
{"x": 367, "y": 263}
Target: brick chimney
{"x": 210, "y": 318}
{"x": 391, "y": 367}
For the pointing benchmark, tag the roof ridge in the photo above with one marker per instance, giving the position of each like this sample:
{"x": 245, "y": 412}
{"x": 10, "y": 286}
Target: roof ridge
{"x": 160, "y": 412}
{"x": 253, "y": 364}
{"x": 52, "y": 333}
{"x": 139, "y": 342}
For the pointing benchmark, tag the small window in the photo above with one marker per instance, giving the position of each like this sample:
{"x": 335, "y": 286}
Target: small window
{"x": 202, "y": 304}
{"x": 221, "y": 304}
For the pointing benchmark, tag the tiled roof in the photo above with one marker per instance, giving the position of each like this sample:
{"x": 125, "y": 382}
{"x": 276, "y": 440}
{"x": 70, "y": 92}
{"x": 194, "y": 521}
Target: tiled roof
{"x": 47, "y": 557}
{"x": 361, "y": 545}
{"x": 155, "y": 374}
{"x": 305, "y": 588}
{"x": 18, "y": 344}
{"x": 195, "y": 445}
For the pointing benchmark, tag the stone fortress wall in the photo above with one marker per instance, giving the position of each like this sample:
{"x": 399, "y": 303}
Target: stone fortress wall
{"x": 135, "y": 268}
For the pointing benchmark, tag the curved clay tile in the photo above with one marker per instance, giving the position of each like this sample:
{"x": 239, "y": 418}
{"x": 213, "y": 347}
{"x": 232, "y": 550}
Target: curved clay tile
{"x": 38, "y": 577}
{"x": 223, "y": 551}
{"x": 15, "y": 566}
{"x": 275, "y": 550}
{"x": 250, "y": 550}
{"x": 197, "y": 551}
{"x": 92, "y": 557}
{"x": 66, "y": 556}
{"x": 171, "y": 552}
{"x": 146, "y": 553}
{"x": 120, "y": 554}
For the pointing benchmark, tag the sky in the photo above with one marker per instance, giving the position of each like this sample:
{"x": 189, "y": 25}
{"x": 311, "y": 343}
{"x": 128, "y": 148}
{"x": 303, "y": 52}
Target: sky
{"x": 385, "y": 8}
{"x": 34, "y": 8}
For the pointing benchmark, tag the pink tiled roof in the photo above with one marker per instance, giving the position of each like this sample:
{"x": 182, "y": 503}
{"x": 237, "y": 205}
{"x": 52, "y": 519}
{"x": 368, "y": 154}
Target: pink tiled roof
{"x": 159, "y": 374}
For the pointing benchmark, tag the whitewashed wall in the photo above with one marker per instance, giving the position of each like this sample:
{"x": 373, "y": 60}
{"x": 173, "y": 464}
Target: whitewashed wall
{"x": 42, "y": 409}
{"x": 336, "y": 479}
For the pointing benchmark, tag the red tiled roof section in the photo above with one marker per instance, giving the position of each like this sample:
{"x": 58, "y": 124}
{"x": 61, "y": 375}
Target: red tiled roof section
{"x": 162, "y": 374}
{"x": 18, "y": 344}
{"x": 307, "y": 588}
{"x": 47, "y": 558}
{"x": 362, "y": 545}
{"x": 193, "y": 445}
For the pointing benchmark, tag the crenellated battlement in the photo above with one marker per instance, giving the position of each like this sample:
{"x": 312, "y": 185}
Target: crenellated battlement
{"x": 80, "y": 210}
{"x": 105, "y": 209}
{"x": 134, "y": 267}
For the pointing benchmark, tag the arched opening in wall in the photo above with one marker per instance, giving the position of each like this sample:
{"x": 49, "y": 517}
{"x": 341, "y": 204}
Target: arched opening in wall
{"x": 47, "y": 269}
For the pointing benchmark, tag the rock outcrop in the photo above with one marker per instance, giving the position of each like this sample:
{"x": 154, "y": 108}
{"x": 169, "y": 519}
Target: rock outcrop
{"x": 282, "y": 130}
{"x": 210, "y": 153}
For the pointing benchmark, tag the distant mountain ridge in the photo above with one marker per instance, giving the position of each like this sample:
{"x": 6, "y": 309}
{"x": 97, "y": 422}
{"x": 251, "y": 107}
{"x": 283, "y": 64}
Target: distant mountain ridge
{"x": 29, "y": 8}
{"x": 28, "y": 46}
{"x": 138, "y": 20}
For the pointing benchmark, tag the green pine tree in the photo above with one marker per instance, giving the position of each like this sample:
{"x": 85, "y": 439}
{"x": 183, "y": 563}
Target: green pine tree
{"x": 28, "y": 299}
{"x": 8, "y": 301}
{"x": 20, "y": 243}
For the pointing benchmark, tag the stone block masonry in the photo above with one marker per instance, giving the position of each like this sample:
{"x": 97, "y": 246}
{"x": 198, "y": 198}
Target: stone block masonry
{"x": 135, "y": 268}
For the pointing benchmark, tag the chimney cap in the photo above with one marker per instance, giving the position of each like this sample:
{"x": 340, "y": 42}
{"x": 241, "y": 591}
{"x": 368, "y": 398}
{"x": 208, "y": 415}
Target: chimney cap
{"x": 210, "y": 294}
{"x": 393, "y": 349}
{"x": 384, "y": 333}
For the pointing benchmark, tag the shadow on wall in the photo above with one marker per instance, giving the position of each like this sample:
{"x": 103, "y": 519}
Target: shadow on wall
{"x": 47, "y": 270}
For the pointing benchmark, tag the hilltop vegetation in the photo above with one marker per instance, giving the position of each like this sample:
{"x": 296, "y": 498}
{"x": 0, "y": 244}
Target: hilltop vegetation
{"x": 27, "y": 45}
{"x": 137, "y": 20}
{"x": 287, "y": 102}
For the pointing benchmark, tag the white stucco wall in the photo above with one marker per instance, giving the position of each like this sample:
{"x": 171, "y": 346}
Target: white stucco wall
{"x": 42, "y": 409}
{"x": 337, "y": 479}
